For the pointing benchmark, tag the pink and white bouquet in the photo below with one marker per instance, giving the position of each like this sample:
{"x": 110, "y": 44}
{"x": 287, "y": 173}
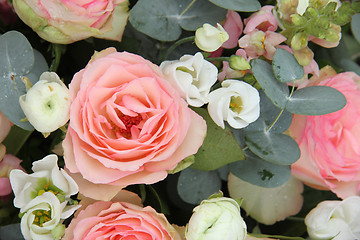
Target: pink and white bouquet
{"x": 179, "y": 120}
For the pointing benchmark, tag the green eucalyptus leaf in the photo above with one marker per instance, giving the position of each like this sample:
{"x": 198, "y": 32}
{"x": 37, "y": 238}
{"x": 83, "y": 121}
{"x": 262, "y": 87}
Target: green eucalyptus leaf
{"x": 268, "y": 115}
{"x": 259, "y": 172}
{"x": 16, "y": 60}
{"x": 238, "y": 5}
{"x": 285, "y": 66}
{"x": 219, "y": 148}
{"x": 163, "y": 19}
{"x": 316, "y": 100}
{"x": 273, "y": 147}
{"x": 194, "y": 185}
{"x": 15, "y": 139}
{"x": 277, "y": 92}
{"x": 355, "y": 26}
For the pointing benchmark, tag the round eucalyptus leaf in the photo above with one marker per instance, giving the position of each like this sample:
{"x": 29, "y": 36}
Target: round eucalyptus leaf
{"x": 285, "y": 66}
{"x": 355, "y": 26}
{"x": 276, "y": 91}
{"x": 316, "y": 100}
{"x": 273, "y": 147}
{"x": 238, "y": 5}
{"x": 194, "y": 185}
{"x": 259, "y": 172}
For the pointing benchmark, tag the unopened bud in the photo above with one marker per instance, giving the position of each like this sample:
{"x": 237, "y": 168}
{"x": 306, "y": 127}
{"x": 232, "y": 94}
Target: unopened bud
{"x": 298, "y": 20}
{"x": 299, "y": 40}
{"x": 238, "y": 63}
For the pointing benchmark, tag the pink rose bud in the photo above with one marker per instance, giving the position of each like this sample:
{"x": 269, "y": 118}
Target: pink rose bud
{"x": 73, "y": 20}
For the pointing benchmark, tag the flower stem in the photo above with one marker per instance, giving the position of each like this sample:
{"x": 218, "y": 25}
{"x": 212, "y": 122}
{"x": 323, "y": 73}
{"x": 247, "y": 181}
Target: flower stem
{"x": 176, "y": 44}
{"x": 218, "y": 59}
{"x": 187, "y": 7}
{"x": 57, "y": 51}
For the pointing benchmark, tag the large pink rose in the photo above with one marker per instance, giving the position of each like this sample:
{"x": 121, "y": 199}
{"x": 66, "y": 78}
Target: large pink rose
{"x": 120, "y": 220}
{"x": 128, "y": 125}
{"x": 330, "y": 144}
{"x": 67, "y": 21}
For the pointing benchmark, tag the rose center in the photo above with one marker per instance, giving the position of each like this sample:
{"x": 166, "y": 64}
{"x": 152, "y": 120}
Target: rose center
{"x": 129, "y": 122}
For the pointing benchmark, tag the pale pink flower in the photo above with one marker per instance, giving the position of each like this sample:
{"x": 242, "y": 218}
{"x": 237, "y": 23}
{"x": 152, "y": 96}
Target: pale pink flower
{"x": 233, "y": 26}
{"x": 128, "y": 125}
{"x": 262, "y": 20}
{"x": 5, "y": 126}
{"x": 330, "y": 144}
{"x": 258, "y": 43}
{"x": 8, "y": 163}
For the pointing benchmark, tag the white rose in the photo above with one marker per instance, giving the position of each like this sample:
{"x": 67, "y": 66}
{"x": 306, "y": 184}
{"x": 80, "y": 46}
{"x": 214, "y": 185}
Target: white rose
{"x": 216, "y": 218}
{"x": 41, "y": 216}
{"x": 337, "y": 220}
{"x": 46, "y": 105}
{"x": 209, "y": 38}
{"x": 192, "y": 76}
{"x": 46, "y": 178}
{"x": 236, "y": 102}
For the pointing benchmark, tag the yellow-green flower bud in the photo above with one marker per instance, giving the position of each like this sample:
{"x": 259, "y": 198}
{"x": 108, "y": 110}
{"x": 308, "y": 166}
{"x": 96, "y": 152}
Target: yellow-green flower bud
{"x": 298, "y": 20}
{"x": 299, "y": 41}
{"x": 58, "y": 231}
{"x": 238, "y": 63}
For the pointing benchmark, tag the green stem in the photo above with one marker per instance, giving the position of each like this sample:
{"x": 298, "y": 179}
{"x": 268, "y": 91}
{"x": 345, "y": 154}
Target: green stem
{"x": 218, "y": 59}
{"x": 142, "y": 192}
{"x": 187, "y": 8}
{"x": 176, "y": 44}
{"x": 282, "y": 110}
{"x": 58, "y": 50}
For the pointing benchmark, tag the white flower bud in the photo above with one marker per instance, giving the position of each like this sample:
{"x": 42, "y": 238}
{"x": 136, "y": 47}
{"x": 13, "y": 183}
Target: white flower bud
{"x": 192, "y": 76}
{"x": 337, "y": 220}
{"x": 47, "y": 104}
{"x": 46, "y": 178}
{"x": 236, "y": 102}
{"x": 216, "y": 218}
{"x": 209, "y": 38}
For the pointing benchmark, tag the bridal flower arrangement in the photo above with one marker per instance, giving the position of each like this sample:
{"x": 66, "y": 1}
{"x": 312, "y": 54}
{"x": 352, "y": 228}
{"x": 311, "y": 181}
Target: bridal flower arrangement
{"x": 180, "y": 119}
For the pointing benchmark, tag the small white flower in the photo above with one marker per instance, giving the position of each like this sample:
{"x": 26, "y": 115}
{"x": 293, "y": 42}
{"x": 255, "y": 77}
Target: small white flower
{"x": 46, "y": 178}
{"x": 42, "y": 215}
{"x": 209, "y": 38}
{"x": 337, "y": 220}
{"x": 236, "y": 102}
{"x": 192, "y": 76}
{"x": 47, "y": 104}
{"x": 216, "y": 218}
{"x": 302, "y": 6}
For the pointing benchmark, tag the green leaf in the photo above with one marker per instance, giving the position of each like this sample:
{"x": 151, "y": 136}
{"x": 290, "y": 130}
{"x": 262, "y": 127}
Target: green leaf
{"x": 268, "y": 114}
{"x": 238, "y": 5}
{"x": 316, "y": 100}
{"x": 285, "y": 66}
{"x": 259, "y": 235}
{"x": 259, "y": 172}
{"x": 277, "y": 92}
{"x": 15, "y": 139}
{"x": 273, "y": 147}
{"x": 194, "y": 185}
{"x": 163, "y": 19}
{"x": 219, "y": 148}
{"x": 11, "y": 231}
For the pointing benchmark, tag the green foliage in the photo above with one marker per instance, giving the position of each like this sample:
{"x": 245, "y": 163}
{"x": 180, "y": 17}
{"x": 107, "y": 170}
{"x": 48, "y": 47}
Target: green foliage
{"x": 355, "y": 26}
{"x": 164, "y": 19}
{"x": 285, "y": 66}
{"x": 259, "y": 172}
{"x": 194, "y": 185}
{"x": 17, "y": 60}
{"x": 15, "y": 139}
{"x": 219, "y": 148}
{"x": 238, "y": 5}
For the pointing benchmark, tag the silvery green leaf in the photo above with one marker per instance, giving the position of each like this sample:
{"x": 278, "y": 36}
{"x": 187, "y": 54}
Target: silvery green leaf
{"x": 194, "y": 185}
{"x": 316, "y": 100}
{"x": 238, "y": 5}
{"x": 355, "y": 26}
{"x": 285, "y": 66}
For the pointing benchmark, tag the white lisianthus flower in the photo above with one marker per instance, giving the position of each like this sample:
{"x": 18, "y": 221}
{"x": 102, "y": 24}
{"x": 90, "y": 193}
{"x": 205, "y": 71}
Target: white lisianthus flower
{"x": 47, "y": 104}
{"x": 236, "y": 102}
{"x": 46, "y": 178}
{"x": 42, "y": 218}
{"x": 302, "y": 6}
{"x": 192, "y": 76}
{"x": 209, "y": 38}
{"x": 216, "y": 218}
{"x": 336, "y": 220}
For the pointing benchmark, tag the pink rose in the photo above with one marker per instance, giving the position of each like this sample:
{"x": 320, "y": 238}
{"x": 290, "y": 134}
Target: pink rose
{"x": 5, "y": 126}
{"x": 67, "y": 21}
{"x": 262, "y": 20}
{"x": 128, "y": 125}
{"x": 8, "y": 163}
{"x": 330, "y": 144}
{"x": 120, "y": 220}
